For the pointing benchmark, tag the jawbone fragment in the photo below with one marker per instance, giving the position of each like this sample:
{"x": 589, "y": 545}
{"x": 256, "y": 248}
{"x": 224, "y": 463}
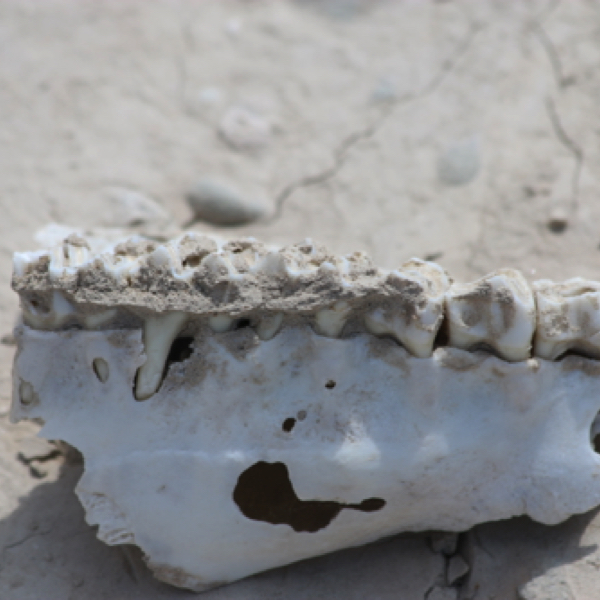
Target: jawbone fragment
{"x": 241, "y": 407}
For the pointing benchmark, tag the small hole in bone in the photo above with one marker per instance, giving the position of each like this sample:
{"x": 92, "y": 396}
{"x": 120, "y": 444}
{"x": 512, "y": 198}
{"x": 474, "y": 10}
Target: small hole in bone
{"x": 441, "y": 338}
{"x": 265, "y": 493}
{"x": 192, "y": 261}
{"x": 27, "y": 394}
{"x": 100, "y": 367}
{"x": 181, "y": 349}
{"x": 242, "y": 323}
{"x": 301, "y": 415}
{"x": 288, "y": 424}
{"x": 330, "y": 384}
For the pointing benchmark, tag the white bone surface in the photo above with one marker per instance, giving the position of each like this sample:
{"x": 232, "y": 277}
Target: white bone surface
{"x": 446, "y": 442}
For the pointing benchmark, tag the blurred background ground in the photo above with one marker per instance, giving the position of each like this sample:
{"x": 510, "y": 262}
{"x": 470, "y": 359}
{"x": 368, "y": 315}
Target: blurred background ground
{"x": 466, "y": 132}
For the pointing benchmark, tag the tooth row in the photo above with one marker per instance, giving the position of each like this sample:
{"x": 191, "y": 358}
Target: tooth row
{"x": 413, "y": 304}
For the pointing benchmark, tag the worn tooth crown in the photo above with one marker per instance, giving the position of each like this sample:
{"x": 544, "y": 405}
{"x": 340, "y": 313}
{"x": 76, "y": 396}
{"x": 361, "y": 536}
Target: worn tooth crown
{"x": 414, "y": 311}
{"x": 495, "y": 312}
{"x": 568, "y": 318}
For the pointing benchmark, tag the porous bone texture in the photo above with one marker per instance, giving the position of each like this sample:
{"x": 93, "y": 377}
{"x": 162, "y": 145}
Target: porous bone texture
{"x": 224, "y": 444}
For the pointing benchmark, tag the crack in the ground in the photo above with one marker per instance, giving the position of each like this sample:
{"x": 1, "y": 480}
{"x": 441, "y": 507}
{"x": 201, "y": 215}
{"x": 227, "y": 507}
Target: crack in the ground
{"x": 570, "y": 145}
{"x": 562, "y": 81}
{"x": 551, "y": 52}
{"x": 340, "y": 154}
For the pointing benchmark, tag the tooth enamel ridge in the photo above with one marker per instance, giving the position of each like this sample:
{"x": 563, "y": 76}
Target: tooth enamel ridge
{"x": 495, "y": 312}
{"x": 568, "y": 318}
{"x": 195, "y": 368}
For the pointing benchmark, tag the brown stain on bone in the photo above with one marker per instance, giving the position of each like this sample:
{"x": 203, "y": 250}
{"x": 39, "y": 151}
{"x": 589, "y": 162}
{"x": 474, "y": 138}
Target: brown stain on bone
{"x": 265, "y": 493}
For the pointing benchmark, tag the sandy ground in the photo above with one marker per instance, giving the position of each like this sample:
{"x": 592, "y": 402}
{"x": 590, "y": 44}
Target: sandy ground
{"x": 464, "y": 131}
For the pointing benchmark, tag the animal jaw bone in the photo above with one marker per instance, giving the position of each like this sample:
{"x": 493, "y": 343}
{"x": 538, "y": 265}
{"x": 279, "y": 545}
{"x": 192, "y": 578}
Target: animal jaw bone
{"x": 242, "y": 407}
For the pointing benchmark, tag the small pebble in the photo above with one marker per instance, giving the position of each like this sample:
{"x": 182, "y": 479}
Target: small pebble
{"x": 244, "y": 129}
{"x": 558, "y": 221}
{"x": 220, "y": 204}
{"x": 458, "y": 164}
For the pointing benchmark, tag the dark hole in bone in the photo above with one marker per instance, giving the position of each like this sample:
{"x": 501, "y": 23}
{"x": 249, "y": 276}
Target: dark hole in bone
{"x": 441, "y": 338}
{"x": 192, "y": 261}
{"x": 265, "y": 493}
{"x": 242, "y": 323}
{"x": 181, "y": 349}
{"x": 596, "y": 444}
{"x": 288, "y": 424}
{"x": 101, "y": 370}
{"x": 330, "y": 384}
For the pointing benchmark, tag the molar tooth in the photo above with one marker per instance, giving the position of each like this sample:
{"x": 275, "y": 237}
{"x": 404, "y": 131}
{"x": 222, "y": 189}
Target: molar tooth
{"x": 415, "y": 311}
{"x": 496, "y": 311}
{"x": 330, "y": 321}
{"x": 568, "y": 318}
{"x": 269, "y": 325}
{"x": 159, "y": 333}
{"x": 221, "y": 323}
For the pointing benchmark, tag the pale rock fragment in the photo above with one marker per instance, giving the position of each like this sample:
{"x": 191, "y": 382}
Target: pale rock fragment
{"x": 220, "y": 203}
{"x": 496, "y": 312}
{"x": 245, "y": 129}
{"x": 568, "y": 318}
